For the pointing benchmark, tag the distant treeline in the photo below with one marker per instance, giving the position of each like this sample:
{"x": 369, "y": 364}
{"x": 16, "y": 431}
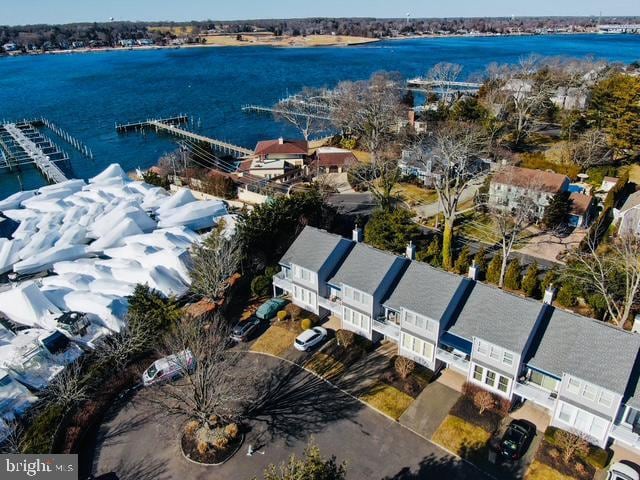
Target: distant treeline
{"x": 111, "y": 33}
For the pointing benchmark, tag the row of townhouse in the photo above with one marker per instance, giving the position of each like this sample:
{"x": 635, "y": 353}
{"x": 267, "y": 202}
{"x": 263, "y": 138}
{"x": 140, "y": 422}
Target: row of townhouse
{"x": 583, "y": 372}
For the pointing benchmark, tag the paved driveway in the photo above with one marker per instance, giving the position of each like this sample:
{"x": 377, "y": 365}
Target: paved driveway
{"x": 135, "y": 444}
{"x": 430, "y": 408}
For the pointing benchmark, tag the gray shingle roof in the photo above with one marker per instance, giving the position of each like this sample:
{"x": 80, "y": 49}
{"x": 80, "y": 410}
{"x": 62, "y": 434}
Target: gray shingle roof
{"x": 312, "y": 248}
{"x": 364, "y": 268}
{"x": 589, "y": 349}
{"x": 424, "y": 290}
{"x": 497, "y": 317}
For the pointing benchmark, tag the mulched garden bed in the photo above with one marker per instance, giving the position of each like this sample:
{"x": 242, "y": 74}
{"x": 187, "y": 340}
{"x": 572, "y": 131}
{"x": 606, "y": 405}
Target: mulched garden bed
{"x": 550, "y": 456}
{"x": 413, "y": 384}
{"x": 212, "y": 456}
{"x": 465, "y": 409}
{"x": 346, "y": 356}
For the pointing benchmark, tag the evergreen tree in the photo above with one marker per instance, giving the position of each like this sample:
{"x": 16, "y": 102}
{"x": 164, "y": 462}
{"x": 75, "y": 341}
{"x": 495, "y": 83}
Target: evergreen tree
{"x": 513, "y": 276}
{"x": 567, "y": 296}
{"x": 433, "y": 253}
{"x": 550, "y": 278}
{"x": 530, "y": 282}
{"x": 557, "y": 212}
{"x": 150, "y": 308}
{"x": 391, "y": 230}
{"x": 463, "y": 261}
{"x": 493, "y": 270}
{"x": 480, "y": 259}
{"x": 313, "y": 466}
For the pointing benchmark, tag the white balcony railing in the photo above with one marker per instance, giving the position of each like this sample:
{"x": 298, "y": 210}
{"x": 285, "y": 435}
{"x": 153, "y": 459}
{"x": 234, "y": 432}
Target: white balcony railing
{"x": 624, "y": 434}
{"x": 453, "y": 361}
{"x": 335, "y": 306}
{"x": 281, "y": 282}
{"x": 535, "y": 394}
{"x": 388, "y": 329}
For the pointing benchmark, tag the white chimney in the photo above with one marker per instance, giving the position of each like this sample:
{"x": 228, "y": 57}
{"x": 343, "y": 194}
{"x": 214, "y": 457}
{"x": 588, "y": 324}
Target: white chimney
{"x": 411, "y": 251}
{"x": 549, "y": 295}
{"x": 635, "y": 327}
{"x": 474, "y": 271}
{"x": 357, "y": 234}
{"x": 281, "y": 141}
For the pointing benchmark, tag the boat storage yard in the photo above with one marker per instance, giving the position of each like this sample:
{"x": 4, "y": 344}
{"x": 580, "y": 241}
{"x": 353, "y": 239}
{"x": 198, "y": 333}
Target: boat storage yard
{"x": 76, "y": 254}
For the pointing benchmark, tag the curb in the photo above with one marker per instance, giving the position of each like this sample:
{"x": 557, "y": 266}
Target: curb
{"x": 200, "y": 464}
{"x": 453, "y": 454}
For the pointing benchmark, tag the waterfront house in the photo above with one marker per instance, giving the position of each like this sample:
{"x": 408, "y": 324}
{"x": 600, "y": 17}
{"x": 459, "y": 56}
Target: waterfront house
{"x": 581, "y": 372}
{"x": 510, "y": 184}
{"x": 332, "y": 160}
{"x": 275, "y": 158}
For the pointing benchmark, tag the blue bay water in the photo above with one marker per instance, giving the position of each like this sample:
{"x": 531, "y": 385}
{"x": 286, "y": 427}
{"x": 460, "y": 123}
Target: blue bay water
{"x": 86, "y": 94}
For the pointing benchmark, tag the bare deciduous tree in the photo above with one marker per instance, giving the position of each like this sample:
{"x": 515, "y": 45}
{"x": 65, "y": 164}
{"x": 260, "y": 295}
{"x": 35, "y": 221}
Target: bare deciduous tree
{"x": 591, "y": 149}
{"x": 571, "y": 444}
{"x": 404, "y": 366}
{"x": 442, "y": 75}
{"x": 214, "y": 263}
{"x": 14, "y": 440}
{"x": 217, "y": 391}
{"x": 452, "y": 154}
{"x": 118, "y": 349}
{"x": 483, "y": 401}
{"x": 68, "y": 387}
{"x": 611, "y": 271}
{"x": 521, "y": 94}
{"x": 371, "y": 110}
{"x": 308, "y": 111}
{"x": 511, "y": 220}
{"x": 379, "y": 176}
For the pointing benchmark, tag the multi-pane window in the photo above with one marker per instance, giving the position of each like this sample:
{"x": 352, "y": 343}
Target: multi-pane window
{"x": 305, "y": 296}
{"x": 496, "y": 353}
{"x": 417, "y": 346}
{"x": 590, "y": 392}
{"x": 419, "y": 321}
{"x": 356, "y": 296}
{"x": 356, "y": 319}
{"x": 491, "y": 378}
{"x": 303, "y": 274}
{"x": 606, "y": 399}
{"x": 582, "y": 420}
{"x": 573, "y": 386}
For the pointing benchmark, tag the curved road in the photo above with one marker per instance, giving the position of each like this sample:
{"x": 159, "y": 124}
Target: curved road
{"x": 135, "y": 444}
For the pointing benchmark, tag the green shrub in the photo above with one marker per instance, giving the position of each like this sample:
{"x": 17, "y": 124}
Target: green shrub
{"x": 261, "y": 285}
{"x": 566, "y": 296}
{"x": 463, "y": 261}
{"x": 433, "y": 253}
{"x": 348, "y": 143}
{"x": 493, "y": 270}
{"x": 550, "y": 278}
{"x": 530, "y": 282}
{"x": 282, "y": 315}
{"x": 597, "y": 457}
{"x": 513, "y": 275}
{"x": 306, "y": 324}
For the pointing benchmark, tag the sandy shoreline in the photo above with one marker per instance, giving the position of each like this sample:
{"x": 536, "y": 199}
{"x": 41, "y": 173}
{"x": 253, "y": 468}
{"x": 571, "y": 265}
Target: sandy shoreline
{"x": 355, "y": 43}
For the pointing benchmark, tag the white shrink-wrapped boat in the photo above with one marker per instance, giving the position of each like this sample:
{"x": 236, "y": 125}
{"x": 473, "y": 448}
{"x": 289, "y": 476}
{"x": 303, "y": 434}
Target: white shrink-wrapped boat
{"x": 46, "y": 259}
{"x": 26, "y": 305}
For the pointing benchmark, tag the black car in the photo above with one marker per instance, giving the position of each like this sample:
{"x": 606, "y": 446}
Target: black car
{"x": 242, "y": 329}
{"x": 516, "y": 439}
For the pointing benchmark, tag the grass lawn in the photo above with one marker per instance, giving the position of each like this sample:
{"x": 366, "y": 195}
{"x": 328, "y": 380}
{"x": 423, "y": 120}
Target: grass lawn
{"x": 460, "y": 436}
{"x": 414, "y": 194}
{"x": 634, "y": 174}
{"x": 326, "y": 366}
{"x": 540, "y": 471}
{"x": 276, "y": 340}
{"x": 388, "y": 399}
{"x": 476, "y": 226}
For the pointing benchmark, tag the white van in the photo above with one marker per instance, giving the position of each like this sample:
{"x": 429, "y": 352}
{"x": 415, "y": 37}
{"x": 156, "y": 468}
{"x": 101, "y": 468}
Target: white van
{"x": 169, "y": 368}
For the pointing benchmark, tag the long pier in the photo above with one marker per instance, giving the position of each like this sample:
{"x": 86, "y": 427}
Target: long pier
{"x": 275, "y": 110}
{"x": 25, "y": 150}
{"x": 133, "y": 126}
{"x": 170, "y": 125}
{"x": 423, "y": 84}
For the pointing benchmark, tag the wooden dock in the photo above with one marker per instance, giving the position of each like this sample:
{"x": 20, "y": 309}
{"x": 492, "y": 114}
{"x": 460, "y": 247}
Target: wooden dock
{"x": 171, "y": 126}
{"x": 275, "y": 111}
{"x": 425, "y": 84}
{"x": 135, "y": 126}
{"x": 31, "y": 149}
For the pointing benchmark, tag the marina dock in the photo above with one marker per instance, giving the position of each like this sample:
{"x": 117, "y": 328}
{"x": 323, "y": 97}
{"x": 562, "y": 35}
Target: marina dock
{"x": 23, "y": 144}
{"x": 136, "y": 126}
{"x": 428, "y": 85}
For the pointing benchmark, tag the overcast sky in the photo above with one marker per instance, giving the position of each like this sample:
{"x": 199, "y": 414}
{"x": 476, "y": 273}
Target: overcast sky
{"x": 16, "y": 12}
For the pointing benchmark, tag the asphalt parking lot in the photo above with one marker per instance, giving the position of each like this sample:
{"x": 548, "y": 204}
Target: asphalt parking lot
{"x": 137, "y": 443}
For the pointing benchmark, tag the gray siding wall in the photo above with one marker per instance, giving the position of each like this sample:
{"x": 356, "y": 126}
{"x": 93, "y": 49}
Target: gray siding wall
{"x": 591, "y": 406}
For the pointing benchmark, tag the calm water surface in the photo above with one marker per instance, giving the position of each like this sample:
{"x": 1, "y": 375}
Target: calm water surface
{"x": 86, "y": 94}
